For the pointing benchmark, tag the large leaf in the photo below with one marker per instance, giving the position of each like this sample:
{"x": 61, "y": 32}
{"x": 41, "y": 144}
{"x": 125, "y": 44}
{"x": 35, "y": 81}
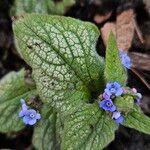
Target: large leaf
{"x": 137, "y": 120}
{"x": 41, "y": 6}
{"x": 12, "y": 88}
{"x": 61, "y": 52}
{"x": 114, "y": 70}
{"x": 90, "y": 128}
{"x": 47, "y": 133}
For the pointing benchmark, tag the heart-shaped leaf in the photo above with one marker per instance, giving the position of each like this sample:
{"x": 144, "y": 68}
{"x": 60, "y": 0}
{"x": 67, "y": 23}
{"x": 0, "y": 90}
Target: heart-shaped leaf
{"x": 12, "y": 88}
{"x": 61, "y": 52}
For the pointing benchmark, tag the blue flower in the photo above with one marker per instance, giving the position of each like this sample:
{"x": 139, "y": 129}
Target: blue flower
{"x": 30, "y": 116}
{"x": 125, "y": 59}
{"x": 113, "y": 89}
{"x": 106, "y": 96}
{"x": 119, "y": 120}
{"x": 117, "y": 117}
{"x": 108, "y": 105}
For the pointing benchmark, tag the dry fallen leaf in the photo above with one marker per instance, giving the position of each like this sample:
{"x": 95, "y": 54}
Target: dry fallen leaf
{"x": 125, "y": 29}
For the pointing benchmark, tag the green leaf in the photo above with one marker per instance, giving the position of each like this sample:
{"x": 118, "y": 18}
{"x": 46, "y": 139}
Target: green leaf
{"x": 59, "y": 7}
{"x": 90, "y": 128}
{"x": 41, "y": 6}
{"x": 61, "y": 52}
{"x": 47, "y": 133}
{"x": 137, "y": 120}
{"x": 12, "y": 88}
{"x": 114, "y": 70}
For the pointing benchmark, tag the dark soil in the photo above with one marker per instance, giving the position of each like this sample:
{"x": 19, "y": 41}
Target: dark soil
{"x": 126, "y": 139}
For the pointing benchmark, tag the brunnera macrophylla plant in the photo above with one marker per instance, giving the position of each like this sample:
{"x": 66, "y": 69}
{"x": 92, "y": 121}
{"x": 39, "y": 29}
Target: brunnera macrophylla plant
{"x": 84, "y": 98}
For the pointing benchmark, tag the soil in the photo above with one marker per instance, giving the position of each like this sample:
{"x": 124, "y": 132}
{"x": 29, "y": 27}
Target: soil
{"x": 126, "y": 139}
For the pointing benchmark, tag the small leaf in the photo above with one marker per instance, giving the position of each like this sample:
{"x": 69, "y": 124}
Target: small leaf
{"x": 89, "y": 128}
{"x": 47, "y": 133}
{"x": 12, "y": 88}
{"x": 61, "y": 52}
{"x": 137, "y": 120}
{"x": 114, "y": 70}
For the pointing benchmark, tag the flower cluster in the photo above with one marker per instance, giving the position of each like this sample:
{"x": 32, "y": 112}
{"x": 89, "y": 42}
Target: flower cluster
{"x": 30, "y": 116}
{"x": 125, "y": 59}
{"x": 111, "y": 90}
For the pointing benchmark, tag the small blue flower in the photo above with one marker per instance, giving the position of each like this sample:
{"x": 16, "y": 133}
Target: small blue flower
{"x": 119, "y": 120}
{"x": 117, "y": 117}
{"x": 108, "y": 105}
{"x": 30, "y": 116}
{"x": 113, "y": 89}
{"x": 106, "y": 96}
{"x": 125, "y": 59}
